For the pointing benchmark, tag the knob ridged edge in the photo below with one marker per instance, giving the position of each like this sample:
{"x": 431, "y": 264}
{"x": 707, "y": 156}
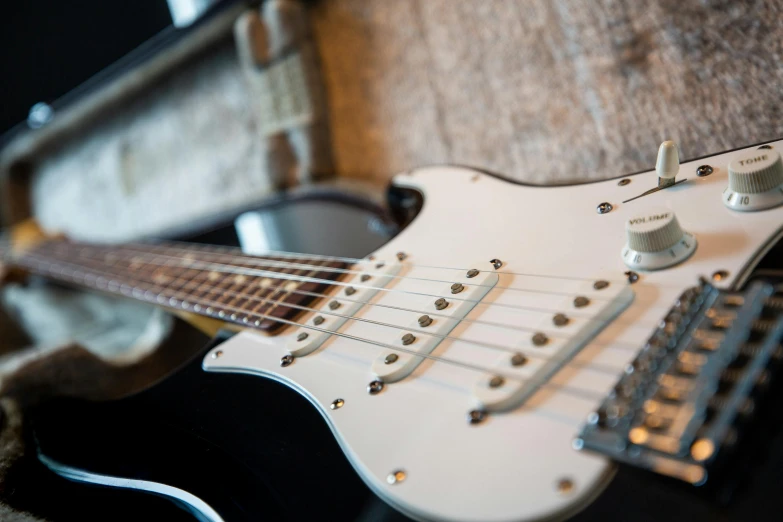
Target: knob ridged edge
{"x": 655, "y": 239}
{"x": 756, "y": 181}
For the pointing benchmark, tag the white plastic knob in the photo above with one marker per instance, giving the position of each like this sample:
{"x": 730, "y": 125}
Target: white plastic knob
{"x": 755, "y": 181}
{"x": 656, "y": 240}
{"x": 668, "y": 163}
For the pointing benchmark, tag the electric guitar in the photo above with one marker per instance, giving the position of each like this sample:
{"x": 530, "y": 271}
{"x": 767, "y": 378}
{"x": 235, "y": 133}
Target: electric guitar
{"x": 494, "y": 361}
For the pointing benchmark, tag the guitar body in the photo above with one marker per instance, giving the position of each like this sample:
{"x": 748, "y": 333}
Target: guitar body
{"x": 410, "y": 442}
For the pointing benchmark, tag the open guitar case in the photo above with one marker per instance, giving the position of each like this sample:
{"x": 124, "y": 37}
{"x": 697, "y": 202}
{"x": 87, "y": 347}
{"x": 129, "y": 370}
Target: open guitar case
{"x": 227, "y": 118}
{"x": 254, "y": 169}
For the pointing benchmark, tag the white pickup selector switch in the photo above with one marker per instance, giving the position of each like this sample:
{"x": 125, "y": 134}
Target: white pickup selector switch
{"x": 755, "y": 181}
{"x": 656, "y": 240}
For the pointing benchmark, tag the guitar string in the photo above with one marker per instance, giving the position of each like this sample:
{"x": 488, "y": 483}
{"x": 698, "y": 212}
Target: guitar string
{"x": 272, "y": 264}
{"x": 276, "y": 253}
{"x": 278, "y": 264}
{"x": 255, "y": 300}
{"x": 251, "y": 298}
{"x": 250, "y": 260}
{"x": 272, "y": 275}
{"x": 222, "y": 268}
{"x": 80, "y": 278}
{"x": 548, "y": 332}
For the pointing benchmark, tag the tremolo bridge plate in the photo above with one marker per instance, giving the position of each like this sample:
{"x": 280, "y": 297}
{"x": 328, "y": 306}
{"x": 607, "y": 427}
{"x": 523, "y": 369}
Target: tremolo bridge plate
{"x": 681, "y": 402}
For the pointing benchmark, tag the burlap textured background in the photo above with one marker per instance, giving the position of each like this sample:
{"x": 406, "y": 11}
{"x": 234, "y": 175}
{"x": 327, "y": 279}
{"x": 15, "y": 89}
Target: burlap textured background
{"x": 547, "y": 91}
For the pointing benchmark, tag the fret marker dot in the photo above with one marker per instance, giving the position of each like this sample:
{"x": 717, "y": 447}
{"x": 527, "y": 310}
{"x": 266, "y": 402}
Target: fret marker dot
{"x": 213, "y": 276}
{"x": 291, "y": 285}
{"x": 233, "y": 317}
{"x": 221, "y": 313}
{"x": 240, "y": 279}
{"x": 197, "y": 308}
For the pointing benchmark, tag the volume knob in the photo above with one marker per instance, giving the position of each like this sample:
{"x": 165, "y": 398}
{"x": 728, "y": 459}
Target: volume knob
{"x": 755, "y": 181}
{"x": 656, "y": 240}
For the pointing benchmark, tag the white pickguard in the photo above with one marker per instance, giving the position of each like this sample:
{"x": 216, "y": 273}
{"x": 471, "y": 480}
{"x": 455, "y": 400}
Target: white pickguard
{"x": 508, "y": 467}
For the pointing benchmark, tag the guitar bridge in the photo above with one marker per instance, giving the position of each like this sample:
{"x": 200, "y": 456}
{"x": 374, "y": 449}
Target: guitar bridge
{"x": 682, "y": 403}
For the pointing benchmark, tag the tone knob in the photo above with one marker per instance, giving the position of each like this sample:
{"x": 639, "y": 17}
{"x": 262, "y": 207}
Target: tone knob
{"x": 656, "y": 240}
{"x": 755, "y": 181}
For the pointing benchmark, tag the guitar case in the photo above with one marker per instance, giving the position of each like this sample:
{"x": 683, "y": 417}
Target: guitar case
{"x": 376, "y": 88}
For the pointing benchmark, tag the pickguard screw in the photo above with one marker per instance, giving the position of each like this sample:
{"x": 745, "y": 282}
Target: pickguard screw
{"x": 623, "y": 182}
{"x": 337, "y": 404}
{"x": 560, "y": 320}
{"x": 286, "y": 360}
{"x": 217, "y": 354}
{"x": 334, "y": 305}
{"x": 565, "y": 486}
{"x": 318, "y": 320}
{"x": 457, "y": 288}
{"x": 720, "y": 275}
{"x": 441, "y": 303}
{"x": 632, "y": 276}
{"x": 703, "y": 170}
{"x": 540, "y": 339}
{"x": 472, "y": 273}
{"x": 496, "y": 263}
{"x": 408, "y": 338}
{"x": 375, "y": 387}
{"x": 365, "y": 277}
{"x": 604, "y": 208}
{"x": 350, "y": 290}
{"x": 581, "y": 301}
{"x": 425, "y": 320}
{"x": 395, "y": 477}
{"x": 302, "y": 336}
{"x": 518, "y": 360}
{"x": 765, "y": 147}
{"x": 600, "y": 285}
{"x": 391, "y": 358}
{"x": 476, "y": 416}
{"x": 496, "y": 381}
{"x": 401, "y": 256}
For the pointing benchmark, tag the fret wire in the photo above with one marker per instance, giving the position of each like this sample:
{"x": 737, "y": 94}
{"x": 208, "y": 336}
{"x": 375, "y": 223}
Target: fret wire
{"x": 468, "y": 341}
{"x": 493, "y": 371}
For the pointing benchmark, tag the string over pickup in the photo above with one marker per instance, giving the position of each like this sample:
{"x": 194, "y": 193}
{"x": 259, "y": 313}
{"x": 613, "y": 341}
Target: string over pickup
{"x": 425, "y": 332}
{"x": 341, "y": 306}
{"x": 539, "y": 359}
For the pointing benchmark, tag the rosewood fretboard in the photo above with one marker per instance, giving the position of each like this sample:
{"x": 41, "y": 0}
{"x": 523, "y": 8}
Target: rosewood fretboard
{"x": 212, "y": 281}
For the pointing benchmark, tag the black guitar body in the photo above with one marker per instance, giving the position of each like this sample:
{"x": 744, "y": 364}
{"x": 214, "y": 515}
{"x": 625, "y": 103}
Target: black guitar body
{"x": 249, "y": 447}
{"x": 255, "y": 450}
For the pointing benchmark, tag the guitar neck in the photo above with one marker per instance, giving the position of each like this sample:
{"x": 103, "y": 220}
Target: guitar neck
{"x": 215, "y": 282}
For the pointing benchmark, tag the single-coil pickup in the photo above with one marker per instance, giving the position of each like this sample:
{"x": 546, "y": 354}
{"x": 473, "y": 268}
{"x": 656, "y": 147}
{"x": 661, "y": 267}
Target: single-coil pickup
{"x": 424, "y": 331}
{"x": 340, "y": 307}
{"x": 520, "y": 374}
